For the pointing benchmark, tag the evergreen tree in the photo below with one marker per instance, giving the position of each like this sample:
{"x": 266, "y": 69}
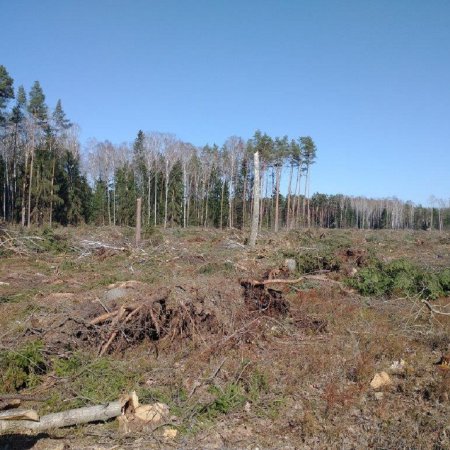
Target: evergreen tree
{"x": 309, "y": 151}
{"x": 6, "y": 90}
{"x": 36, "y": 104}
{"x": 126, "y": 195}
{"x": 19, "y": 109}
{"x": 60, "y": 121}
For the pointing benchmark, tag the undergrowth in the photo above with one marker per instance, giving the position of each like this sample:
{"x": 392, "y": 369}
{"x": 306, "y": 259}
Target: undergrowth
{"x": 400, "y": 278}
{"x": 94, "y": 379}
{"x": 22, "y": 368}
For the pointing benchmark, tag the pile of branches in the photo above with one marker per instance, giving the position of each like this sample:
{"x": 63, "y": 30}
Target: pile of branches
{"x": 154, "y": 319}
{"x": 14, "y": 243}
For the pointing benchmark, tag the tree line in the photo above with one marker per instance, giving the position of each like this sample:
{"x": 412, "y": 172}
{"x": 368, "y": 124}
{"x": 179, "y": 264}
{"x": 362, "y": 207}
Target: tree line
{"x": 46, "y": 179}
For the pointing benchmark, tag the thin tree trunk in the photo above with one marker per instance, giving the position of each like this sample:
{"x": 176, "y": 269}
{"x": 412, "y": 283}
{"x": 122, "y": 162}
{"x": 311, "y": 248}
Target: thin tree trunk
{"x": 184, "y": 196}
{"x": 138, "y": 221}
{"x": 221, "y": 203}
{"x": 206, "y": 207}
{"x": 5, "y": 187}
{"x": 149, "y": 206}
{"x": 108, "y": 196}
{"x": 307, "y": 196}
{"x": 166, "y": 200}
{"x": 30, "y": 187}
{"x": 156, "y": 196}
{"x": 277, "y": 197}
{"x": 51, "y": 191}
{"x": 296, "y": 206}
{"x": 230, "y": 197}
{"x": 288, "y": 206}
{"x": 24, "y": 188}
{"x": 261, "y": 202}
{"x": 114, "y": 196}
{"x": 256, "y": 195}
{"x": 244, "y": 199}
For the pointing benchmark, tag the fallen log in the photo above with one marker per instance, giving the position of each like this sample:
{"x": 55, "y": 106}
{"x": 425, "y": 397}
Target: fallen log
{"x": 98, "y": 413}
{"x": 287, "y": 281}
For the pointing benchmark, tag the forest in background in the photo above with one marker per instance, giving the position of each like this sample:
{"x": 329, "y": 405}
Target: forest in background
{"x": 45, "y": 178}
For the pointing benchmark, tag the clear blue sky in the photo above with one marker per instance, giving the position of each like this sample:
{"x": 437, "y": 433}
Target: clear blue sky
{"x": 368, "y": 80}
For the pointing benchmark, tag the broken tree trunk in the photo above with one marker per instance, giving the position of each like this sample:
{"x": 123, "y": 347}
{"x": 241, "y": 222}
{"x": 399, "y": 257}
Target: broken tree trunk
{"x": 256, "y": 195}
{"x": 19, "y": 414}
{"x": 77, "y": 416}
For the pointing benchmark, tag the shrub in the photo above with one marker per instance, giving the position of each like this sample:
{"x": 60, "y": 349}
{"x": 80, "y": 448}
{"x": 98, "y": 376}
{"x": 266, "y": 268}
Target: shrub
{"x": 400, "y": 278}
{"x": 311, "y": 261}
{"x": 444, "y": 280}
{"x": 227, "y": 399}
{"x": 22, "y": 368}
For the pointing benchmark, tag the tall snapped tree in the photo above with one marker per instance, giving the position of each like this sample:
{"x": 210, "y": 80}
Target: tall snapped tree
{"x": 256, "y": 195}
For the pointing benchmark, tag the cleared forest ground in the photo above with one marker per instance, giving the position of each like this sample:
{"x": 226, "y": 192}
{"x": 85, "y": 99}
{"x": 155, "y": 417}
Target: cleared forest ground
{"x": 239, "y": 363}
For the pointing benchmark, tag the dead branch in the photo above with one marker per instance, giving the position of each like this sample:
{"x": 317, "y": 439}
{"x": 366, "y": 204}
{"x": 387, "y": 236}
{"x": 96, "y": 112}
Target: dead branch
{"x": 155, "y": 321}
{"x": 256, "y": 283}
{"x": 433, "y": 309}
{"x": 304, "y": 277}
{"x": 103, "y": 318}
{"x": 113, "y": 334}
{"x": 98, "y": 245}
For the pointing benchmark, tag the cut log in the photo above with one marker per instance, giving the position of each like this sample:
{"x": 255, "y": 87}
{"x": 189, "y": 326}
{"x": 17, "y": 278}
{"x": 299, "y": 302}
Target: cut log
{"x": 77, "y": 416}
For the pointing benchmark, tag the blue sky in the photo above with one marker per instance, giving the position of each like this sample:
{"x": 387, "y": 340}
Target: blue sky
{"x": 368, "y": 80}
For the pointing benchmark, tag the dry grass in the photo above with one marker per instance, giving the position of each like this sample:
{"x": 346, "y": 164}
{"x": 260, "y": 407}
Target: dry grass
{"x": 235, "y": 375}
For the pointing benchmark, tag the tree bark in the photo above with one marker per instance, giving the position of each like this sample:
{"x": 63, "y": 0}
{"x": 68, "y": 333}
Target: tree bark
{"x": 277, "y": 197}
{"x": 51, "y": 191}
{"x": 256, "y": 195}
{"x": 138, "y": 221}
{"x": 288, "y": 206}
{"x": 30, "y": 188}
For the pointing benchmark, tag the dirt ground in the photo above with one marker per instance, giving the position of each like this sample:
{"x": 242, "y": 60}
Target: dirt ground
{"x": 239, "y": 362}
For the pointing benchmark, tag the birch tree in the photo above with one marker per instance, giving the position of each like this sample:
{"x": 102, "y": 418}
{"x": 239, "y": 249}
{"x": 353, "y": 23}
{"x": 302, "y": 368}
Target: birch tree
{"x": 256, "y": 195}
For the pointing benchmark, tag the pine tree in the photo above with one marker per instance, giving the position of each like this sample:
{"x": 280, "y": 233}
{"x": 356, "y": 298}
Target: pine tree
{"x": 6, "y": 90}
{"x": 38, "y": 111}
{"x": 309, "y": 151}
{"x": 36, "y": 104}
